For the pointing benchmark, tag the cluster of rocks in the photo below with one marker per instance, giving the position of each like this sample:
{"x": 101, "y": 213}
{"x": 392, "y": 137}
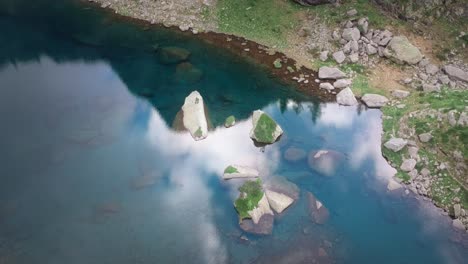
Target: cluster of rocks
{"x": 185, "y": 14}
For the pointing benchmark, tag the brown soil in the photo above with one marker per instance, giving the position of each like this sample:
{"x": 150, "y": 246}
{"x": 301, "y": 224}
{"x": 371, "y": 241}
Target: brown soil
{"x": 386, "y": 77}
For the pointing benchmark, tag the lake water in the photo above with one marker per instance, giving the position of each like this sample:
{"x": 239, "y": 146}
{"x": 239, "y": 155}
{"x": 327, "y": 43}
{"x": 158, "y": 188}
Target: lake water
{"x": 92, "y": 172}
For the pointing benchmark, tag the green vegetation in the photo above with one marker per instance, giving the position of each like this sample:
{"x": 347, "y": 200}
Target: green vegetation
{"x": 264, "y": 129}
{"x": 446, "y": 139}
{"x": 230, "y": 121}
{"x": 265, "y": 21}
{"x": 251, "y": 194}
{"x": 277, "y": 64}
{"x": 198, "y": 133}
{"x": 230, "y": 169}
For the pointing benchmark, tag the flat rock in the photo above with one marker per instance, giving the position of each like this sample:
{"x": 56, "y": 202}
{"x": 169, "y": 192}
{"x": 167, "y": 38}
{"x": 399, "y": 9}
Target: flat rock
{"x": 263, "y": 227}
{"x": 262, "y": 208}
{"x": 280, "y": 184}
{"x": 374, "y": 100}
{"x": 402, "y": 51}
{"x": 456, "y": 73}
{"x": 265, "y": 129}
{"x": 237, "y": 171}
{"x": 294, "y": 154}
{"x": 342, "y": 83}
{"x": 278, "y": 201}
{"x": 425, "y": 137}
{"x": 326, "y": 86}
{"x": 393, "y": 185}
{"x": 318, "y": 212}
{"x": 194, "y": 118}
{"x": 339, "y": 56}
{"x": 396, "y": 144}
{"x": 325, "y": 162}
{"x": 330, "y": 73}
{"x": 346, "y": 97}
{"x": 351, "y": 34}
{"x": 408, "y": 165}
{"x": 400, "y": 94}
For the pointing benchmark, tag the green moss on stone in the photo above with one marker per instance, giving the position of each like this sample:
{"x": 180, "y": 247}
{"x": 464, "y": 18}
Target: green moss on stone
{"x": 277, "y": 64}
{"x": 230, "y": 121}
{"x": 199, "y": 132}
{"x": 265, "y": 129}
{"x": 251, "y": 194}
{"x": 230, "y": 169}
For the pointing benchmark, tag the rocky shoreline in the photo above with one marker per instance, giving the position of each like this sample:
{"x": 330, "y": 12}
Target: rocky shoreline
{"x": 357, "y": 43}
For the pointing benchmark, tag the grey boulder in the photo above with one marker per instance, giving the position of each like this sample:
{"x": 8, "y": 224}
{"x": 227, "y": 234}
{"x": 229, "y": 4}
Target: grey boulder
{"x": 402, "y": 51}
{"x": 346, "y": 97}
{"x": 374, "y": 100}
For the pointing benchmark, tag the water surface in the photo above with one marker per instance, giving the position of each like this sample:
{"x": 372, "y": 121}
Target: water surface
{"x": 86, "y": 111}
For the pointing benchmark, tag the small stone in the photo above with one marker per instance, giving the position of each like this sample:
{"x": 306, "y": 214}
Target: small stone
{"x": 339, "y": 57}
{"x": 330, "y": 73}
{"x": 431, "y": 69}
{"x": 342, "y": 83}
{"x": 326, "y": 86}
{"x": 351, "y": 34}
{"x": 371, "y": 49}
{"x": 429, "y": 88}
{"x": 374, "y": 100}
{"x": 408, "y": 165}
{"x": 352, "y": 12}
{"x": 444, "y": 79}
{"x": 457, "y": 224}
{"x": 400, "y": 94}
{"x": 425, "y": 137}
{"x": 457, "y": 210}
{"x": 324, "y": 55}
{"x": 354, "y": 57}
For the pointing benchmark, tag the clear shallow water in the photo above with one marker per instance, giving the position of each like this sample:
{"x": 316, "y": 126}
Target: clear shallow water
{"x": 77, "y": 136}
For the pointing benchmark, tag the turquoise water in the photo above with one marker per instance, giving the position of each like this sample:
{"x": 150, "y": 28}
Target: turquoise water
{"x": 86, "y": 110}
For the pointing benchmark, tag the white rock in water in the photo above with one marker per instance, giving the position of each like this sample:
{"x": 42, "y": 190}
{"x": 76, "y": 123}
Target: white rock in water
{"x": 346, "y": 97}
{"x": 374, "y": 100}
{"x": 396, "y": 144}
{"x": 393, "y": 185}
{"x": 265, "y": 129}
{"x": 278, "y": 201}
{"x": 236, "y": 171}
{"x": 194, "y": 119}
{"x": 262, "y": 208}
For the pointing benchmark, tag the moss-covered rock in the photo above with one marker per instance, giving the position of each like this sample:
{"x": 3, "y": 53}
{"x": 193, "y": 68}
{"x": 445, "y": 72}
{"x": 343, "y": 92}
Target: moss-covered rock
{"x": 236, "y": 171}
{"x": 265, "y": 129}
{"x": 230, "y": 121}
{"x": 277, "y": 64}
{"x": 172, "y": 55}
{"x": 251, "y": 193}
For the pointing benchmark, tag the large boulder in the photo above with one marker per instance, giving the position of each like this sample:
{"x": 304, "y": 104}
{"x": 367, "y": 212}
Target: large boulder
{"x": 402, "y": 51}
{"x": 193, "y": 116}
{"x": 314, "y": 2}
{"x": 456, "y": 73}
{"x": 282, "y": 185}
{"x": 278, "y": 201}
{"x": 172, "y": 55}
{"x": 236, "y": 171}
{"x": 265, "y": 129}
{"x": 317, "y": 210}
{"x": 330, "y": 73}
{"x": 396, "y": 144}
{"x": 346, "y": 97}
{"x": 374, "y": 100}
{"x": 325, "y": 162}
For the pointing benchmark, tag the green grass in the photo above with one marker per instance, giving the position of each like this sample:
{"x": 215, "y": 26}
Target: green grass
{"x": 264, "y": 129}
{"x": 230, "y": 169}
{"x": 265, "y": 21}
{"x": 253, "y": 194}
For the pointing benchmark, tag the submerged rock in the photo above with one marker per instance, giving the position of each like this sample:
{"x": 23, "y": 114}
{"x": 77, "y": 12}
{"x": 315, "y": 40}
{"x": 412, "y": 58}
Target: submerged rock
{"x": 230, "y": 121}
{"x": 187, "y": 73}
{"x": 294, "y": 154}
{"x": 393, "y": 185}
{"x": 147, "y": 180}
{"x": 317, "y": 210}
{"x": 278, "y": 201}
{"x": 374, "y": 100}
{"x": 194, "y": 118}
{"x": 325, "y": 161}
{"x": 402, "y": 51}
{"x": 236, "y": 171}
{"x": 265, "y": 129}
{"x": 263, "y": 227}
{"x": 282, "y": 185}
{"x": 172, "y": 55}
{"x": 346, "y": 97}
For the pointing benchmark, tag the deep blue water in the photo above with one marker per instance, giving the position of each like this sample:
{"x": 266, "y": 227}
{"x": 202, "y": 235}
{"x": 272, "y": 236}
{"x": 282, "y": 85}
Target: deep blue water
{"x": 86, "y": 110}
